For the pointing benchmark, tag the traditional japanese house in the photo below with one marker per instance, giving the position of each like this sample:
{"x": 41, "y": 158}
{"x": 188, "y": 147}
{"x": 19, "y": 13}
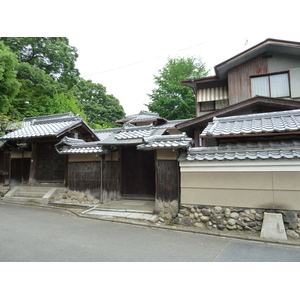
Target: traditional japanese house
{"x": 33, "y": 157}
{"x": 136, "y": 161}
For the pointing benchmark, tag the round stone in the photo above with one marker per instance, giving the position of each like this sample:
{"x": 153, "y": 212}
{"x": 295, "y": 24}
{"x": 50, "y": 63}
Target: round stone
{"x": 218, "y": 209}
{"x": 231, "y": 222}
{"x": 204, "y": 219}
{"x": 227, "y": 212}
{"x": 234, "y": 215}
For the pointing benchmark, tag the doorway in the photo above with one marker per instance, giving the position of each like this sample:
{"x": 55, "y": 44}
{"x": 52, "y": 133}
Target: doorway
{"x": 138, "y": 173}
{"x": 50, "y": 164}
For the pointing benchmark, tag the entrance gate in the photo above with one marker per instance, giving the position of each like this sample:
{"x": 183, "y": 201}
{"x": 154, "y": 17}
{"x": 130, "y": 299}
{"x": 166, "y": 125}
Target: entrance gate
{"x": 138, "y": 173}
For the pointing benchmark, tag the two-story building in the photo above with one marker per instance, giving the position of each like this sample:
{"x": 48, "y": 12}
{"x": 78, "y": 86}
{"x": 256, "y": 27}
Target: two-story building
{"x": 263, "y": 78}
{"x": 247, "y": 131}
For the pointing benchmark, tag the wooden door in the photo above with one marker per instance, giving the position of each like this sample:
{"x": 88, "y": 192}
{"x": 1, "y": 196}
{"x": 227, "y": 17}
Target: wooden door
{"x": 50, "y": 165}
{"x": 138, "y": 173}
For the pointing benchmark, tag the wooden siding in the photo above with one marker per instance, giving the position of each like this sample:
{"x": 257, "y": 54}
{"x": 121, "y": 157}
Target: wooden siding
{"x": 111, "y": 186}
{"x": 167, "y": 180}
{"x": 138, "y": 173}
{"x": 85, "y": 177}
{"x": 239, "y": 82}
{"x": 50, "y": 164}
{"x": 4, "y": 167}
{"x": 20, "y": 169}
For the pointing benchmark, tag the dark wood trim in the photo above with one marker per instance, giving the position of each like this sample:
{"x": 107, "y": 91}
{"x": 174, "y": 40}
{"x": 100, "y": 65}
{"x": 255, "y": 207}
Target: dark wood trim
{"x": 32, "y": 171}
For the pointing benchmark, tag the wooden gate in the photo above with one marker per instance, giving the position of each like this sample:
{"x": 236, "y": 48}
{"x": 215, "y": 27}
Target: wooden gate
{"x": 50, "y": 165}
{"x": 138, "y": 173}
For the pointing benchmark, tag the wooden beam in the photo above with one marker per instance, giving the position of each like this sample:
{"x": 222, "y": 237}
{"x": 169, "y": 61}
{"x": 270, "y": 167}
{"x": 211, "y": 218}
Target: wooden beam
{"x": 32, "y": 171}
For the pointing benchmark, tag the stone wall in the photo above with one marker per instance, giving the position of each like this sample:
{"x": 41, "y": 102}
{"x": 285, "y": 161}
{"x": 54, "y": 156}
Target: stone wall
{"x": 74, "y": 197}
{"x": 3, "y": 190}
{"x": 229, "y": 218}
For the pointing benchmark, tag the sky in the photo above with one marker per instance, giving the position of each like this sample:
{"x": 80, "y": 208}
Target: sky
{"x": 123, "y": 44}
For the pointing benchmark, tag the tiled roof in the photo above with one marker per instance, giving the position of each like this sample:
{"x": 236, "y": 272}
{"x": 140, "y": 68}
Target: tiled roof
{"x": 172, "y": 123}
{"x": 288, "y": 149}
{"x": 274, "y": 122}
{"x": 131, "y": 135}
{"x": 72, "y": 146}
{"x": 142, "y": 116}
{"x": 44, "y": 126}
{"x": 166, "y": 142}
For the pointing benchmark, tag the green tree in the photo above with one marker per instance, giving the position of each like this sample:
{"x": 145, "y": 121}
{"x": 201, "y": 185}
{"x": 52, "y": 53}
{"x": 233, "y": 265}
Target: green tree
{"x": 54, "y": 55}
{"x": 9, "y": 85}
{"x": 99, "y": 107}
{"x": 49, "y": 83}
{"x": 171, "y": 99}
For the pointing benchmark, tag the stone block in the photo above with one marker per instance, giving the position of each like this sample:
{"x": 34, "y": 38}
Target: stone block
{"x": 273, "y": 227}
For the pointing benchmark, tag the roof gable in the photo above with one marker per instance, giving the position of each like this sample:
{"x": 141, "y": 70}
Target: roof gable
{"x": 50, "y": 126}
{"x": 267, "y": 46}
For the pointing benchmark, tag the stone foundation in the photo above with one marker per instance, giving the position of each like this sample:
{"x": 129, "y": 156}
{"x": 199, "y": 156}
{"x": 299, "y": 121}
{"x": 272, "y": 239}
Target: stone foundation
{"x": 229, "y": 218}
{"x": 73, "y": 197}
{"x": 167, "y": 210}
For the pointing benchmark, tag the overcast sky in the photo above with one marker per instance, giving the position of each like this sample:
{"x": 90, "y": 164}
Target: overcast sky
{"x": 123, "y": 44}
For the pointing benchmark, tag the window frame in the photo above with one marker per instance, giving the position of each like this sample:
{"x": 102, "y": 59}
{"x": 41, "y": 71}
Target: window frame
{"x": 269, "y": 83}
{"x": 202, "y": 110}
{"x": 214, "y": 104}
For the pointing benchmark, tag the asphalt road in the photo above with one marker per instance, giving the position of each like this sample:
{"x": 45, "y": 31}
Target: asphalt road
{"x": 35, "y": 234}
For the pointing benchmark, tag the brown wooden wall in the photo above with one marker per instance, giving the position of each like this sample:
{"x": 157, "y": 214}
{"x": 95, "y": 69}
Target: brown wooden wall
{"x": 167, "y": 180}
{"x": 85, "y": 177}
{"x": 111, "y": 180}
{"x": 4, "y": 166}
{"x": 20, "y": 169}
{"x": 50, "y": 164}
{"x": 239, "y": 84}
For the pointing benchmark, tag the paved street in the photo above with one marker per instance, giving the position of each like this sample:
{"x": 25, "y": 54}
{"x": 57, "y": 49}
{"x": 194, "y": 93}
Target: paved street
{"x": 38, "y": 234}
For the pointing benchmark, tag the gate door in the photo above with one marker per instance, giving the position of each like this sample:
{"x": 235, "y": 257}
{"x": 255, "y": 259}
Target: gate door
{"x": 138, "y": 173}
{"x": 50, "y": 165}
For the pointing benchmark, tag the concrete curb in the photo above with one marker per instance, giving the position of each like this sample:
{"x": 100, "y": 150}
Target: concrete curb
{"x": 156, "y": 226}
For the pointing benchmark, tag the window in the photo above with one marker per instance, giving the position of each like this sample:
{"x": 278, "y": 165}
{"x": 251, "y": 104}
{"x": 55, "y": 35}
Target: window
{"x": 213, "y": 105}
{"x": 276, "y": 85}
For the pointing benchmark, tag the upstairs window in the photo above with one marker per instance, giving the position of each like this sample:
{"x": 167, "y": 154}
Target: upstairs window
{"x": 275, "y": 86}
{"x": 213, "y": 105}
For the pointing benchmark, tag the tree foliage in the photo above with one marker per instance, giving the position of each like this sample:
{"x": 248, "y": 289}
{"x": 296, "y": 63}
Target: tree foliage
{"x": 54, "y": 55}
{"x": 171, "y": 99}
{"x": 9, "y": 85}
{"x": 38, "y": 77}
{"x": 99, "y": 107}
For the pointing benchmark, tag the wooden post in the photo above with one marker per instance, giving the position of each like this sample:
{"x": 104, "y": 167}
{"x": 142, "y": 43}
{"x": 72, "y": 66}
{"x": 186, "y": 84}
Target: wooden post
{"x": 32, "y": 171}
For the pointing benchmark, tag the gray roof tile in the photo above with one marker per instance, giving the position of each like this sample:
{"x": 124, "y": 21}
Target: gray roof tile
{"x": 72, "y": 146}
{"x": 44, "y": 126}
{"x": 166, "y": 142}
{"x": 289, "y": 149}
{"x": 142, "y": 116}
{"x": 274, "y": 122}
